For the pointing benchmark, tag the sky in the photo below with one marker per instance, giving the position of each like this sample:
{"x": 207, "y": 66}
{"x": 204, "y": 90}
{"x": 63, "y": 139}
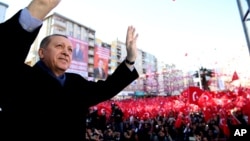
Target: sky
{"x": 175, "y": 31}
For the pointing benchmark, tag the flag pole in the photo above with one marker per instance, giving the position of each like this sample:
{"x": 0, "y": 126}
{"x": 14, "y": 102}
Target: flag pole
{"x": 199, "y": 75}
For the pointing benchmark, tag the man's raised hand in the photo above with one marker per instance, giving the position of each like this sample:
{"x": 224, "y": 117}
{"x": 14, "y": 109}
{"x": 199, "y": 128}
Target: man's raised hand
{"x": 40, "y": 8}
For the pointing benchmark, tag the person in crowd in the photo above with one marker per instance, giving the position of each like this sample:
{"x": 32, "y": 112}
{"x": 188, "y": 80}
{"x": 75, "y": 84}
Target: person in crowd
{"x": 94, "y": 118}
{"x": 117, "y": 115}
{"x": 102, "y": 122}
{"x": 44, "y": 102}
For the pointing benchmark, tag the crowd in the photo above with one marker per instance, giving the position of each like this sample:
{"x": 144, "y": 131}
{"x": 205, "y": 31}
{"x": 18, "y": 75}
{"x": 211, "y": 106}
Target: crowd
{"x": 162, "y": 119}
{"x": 191, "y": 127}
{"x": 159, "y": 128}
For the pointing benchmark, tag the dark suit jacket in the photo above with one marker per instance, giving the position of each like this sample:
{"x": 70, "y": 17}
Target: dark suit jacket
{"x": 98, "y": 75}
{"x": 78, "y": 56}
{"x": 35, "y": 106}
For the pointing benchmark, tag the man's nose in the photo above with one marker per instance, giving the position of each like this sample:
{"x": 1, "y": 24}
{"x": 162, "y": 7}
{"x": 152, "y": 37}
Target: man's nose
{"x": 66, "y": 51}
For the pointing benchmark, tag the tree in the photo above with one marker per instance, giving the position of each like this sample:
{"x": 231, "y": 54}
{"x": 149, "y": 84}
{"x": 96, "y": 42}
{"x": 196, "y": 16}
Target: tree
{"x": 205, "y": 75}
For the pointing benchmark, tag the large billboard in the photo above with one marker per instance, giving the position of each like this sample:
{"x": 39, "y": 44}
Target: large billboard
{"x": 79, "y": 62}
{"x": 101, "y": 61}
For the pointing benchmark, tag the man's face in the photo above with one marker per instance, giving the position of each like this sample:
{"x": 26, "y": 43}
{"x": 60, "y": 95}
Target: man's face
{"x": 100, "y": 64}
{"x": 58, "y": 54}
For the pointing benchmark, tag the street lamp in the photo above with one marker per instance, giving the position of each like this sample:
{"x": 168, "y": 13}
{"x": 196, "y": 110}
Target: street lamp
{"x": 243, "y": 16}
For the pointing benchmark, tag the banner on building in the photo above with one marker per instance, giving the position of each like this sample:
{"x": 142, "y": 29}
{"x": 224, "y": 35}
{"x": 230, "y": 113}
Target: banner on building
{"x": 79, "y": 62}
{"x": 101, "y": 61}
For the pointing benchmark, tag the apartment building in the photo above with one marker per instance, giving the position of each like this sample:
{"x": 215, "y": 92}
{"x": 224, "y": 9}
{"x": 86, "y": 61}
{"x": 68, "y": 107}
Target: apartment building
{"x": 117, "y": 54}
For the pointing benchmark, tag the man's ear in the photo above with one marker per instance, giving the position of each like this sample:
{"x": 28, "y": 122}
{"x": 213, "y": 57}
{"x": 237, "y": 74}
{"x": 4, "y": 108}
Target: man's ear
{"x": 41, "y": 52}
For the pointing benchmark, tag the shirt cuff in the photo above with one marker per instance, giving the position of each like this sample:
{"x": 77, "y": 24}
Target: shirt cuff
{"x": 131, "y": 67}
{"x": 28, "y": 22}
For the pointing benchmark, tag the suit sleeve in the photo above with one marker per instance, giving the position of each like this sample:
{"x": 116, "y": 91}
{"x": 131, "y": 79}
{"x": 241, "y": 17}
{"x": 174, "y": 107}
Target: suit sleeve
{"x": 15, "y": 40}
{"x": 115, "y": 83}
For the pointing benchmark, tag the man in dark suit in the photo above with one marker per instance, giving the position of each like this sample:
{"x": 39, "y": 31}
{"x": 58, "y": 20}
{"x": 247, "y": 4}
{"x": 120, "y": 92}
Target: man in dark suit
{"x": 44, "y": 102}
{"x": 99, "y": 72}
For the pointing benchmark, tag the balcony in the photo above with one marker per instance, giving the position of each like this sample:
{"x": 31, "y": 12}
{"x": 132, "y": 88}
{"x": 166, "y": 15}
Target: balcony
{"x": 90, "y": 69}
{"x": 91, "y": 60}
{"x": 91, "y": 36}
{"x": 91, "y": 52}
{"x": 59, "y": 31}
{"x": 60, "y": 24}
{"x": 91, "y": 43}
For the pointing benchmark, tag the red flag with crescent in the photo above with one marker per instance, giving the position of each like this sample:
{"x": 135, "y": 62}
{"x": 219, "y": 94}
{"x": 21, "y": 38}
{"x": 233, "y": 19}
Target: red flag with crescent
{"x": 193, "y": 94}
{"x": 206, "y": 99}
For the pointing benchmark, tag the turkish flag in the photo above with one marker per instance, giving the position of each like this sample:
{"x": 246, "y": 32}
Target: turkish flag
{"x": 179, "y": 121}
{"x": 193, "y": 94}
{"x": 206, "y": 99}
{"x": 208, "y": 113}
{"x": 235, "y": 76}
{"x": 223, "y": 125}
